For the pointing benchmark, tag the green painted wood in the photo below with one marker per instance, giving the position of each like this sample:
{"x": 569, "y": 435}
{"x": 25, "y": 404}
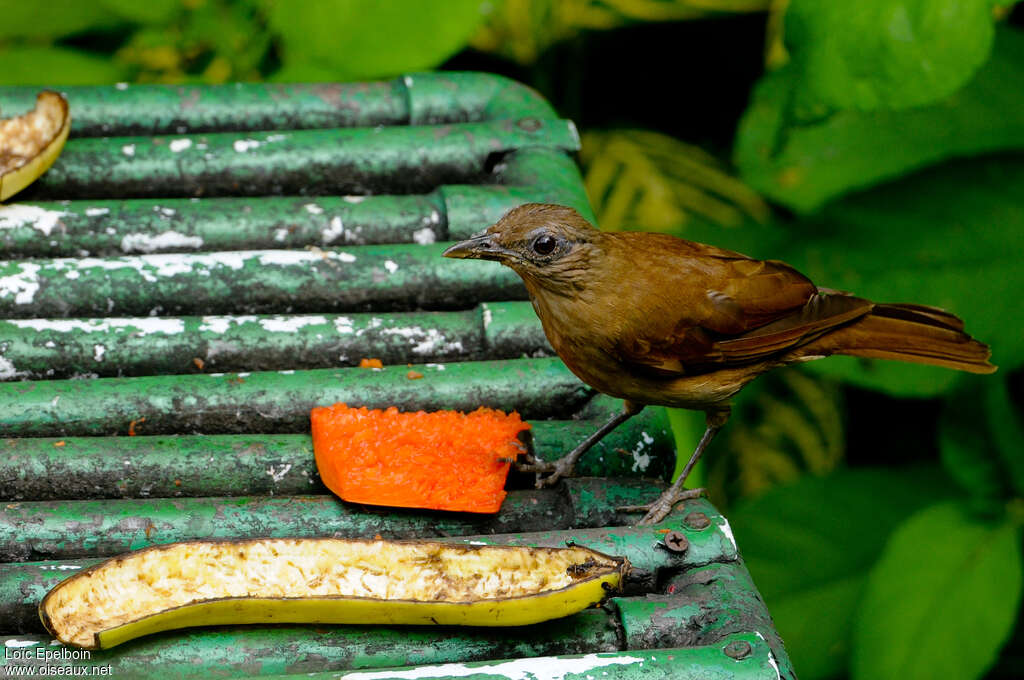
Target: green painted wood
{"x": 706, "y": 598}
{"x": 23, "y": 585}
{"x": 279, "y": 401}
{"x": 256, "y": 651}
{"x": 211, "y": 232}
{"x": 512, "y": 329}
{"x": 61, "y": 348}
{"x": 585, "y": 644}
{"x": 684, "y": 663}
{"x": 83, "y": 228}
{"x": 416, "y": 98}
{"x": 48, "y": 468}
{"x": 63, "y": 530}
{"x": 381, "y": 278}
{"x": 123, "y": 109}
{"x": 391, "y": 159}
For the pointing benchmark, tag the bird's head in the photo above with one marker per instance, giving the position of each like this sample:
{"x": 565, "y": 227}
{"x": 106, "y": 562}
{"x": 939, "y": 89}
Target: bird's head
{"x": 551, "y": 246}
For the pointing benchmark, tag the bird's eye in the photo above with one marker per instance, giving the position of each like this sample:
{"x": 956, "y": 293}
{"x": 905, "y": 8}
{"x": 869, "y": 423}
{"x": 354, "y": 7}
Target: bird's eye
{"x": 544, "y": 245}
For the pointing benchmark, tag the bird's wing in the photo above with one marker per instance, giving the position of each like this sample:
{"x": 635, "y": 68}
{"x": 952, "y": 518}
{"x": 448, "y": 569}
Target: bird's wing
{"x": 751, "y": 310}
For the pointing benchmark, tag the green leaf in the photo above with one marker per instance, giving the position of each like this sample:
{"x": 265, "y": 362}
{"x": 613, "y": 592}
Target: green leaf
{"x": 981, "y": 441}
{"x": 367, "y": 39}
{"x": 942, "y": 599}
{"x": 877, "y": 54}
{"x": 51, "y": 19}
{"x": 55, "y": 66}
{"x": 1006, "y": 422}
{"x": 643, "y": 179}
{"x": 148, "y": 12}
{"x": 949, "y": 237}
{"x": 809, "y": 546}
{"x": 804, "y": 164}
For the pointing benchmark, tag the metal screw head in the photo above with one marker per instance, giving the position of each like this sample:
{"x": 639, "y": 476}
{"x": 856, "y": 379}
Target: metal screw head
{"x": 697, "y": 520}
{"x": 529, "y": 124}
{"x": 738, "y": 649}
{"x": 676, "y": 542}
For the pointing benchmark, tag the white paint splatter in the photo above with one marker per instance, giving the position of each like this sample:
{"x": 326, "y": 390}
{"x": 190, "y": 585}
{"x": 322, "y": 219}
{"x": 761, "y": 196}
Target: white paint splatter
{"x": 290, "y": 324}
{"x": 221, "y": 324}
{"x": 139, "y": 326}
{"x": 277, "y": 474}
{"x": 313, "y": 209}
{"x": 8, "y": 371}
{"x": 424, "y": 236}
{"x": 179, "y": 145}
{"x": 333, "y": 230}
{"x": 727, "y": 530}
{"x": 536, "y": 668}
{"x": 128, "y": 150}
{"x": 149, "y": 243}
{"x": 391, "y": 266}
{"x": 23, "y": 286}
{"x": 425, "y": 340}
{"x": 343, "y": 324}
{"x": 291, "y": 257}
{"x": 60, "y": 567}
{"x": 17, "y": 215}
{"x": 244, "y": 145}
{"x": 96, "y": 212}
{"x": 574, "y": 132}
{"x": 641, "y": 458}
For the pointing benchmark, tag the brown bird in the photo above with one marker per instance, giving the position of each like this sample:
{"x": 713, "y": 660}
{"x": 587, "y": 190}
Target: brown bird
{"x": 658, "y": 320}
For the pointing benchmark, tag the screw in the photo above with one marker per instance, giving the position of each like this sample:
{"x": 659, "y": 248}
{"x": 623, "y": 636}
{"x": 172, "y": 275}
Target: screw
{"x": 676, "y": 542}
{"x": 697, "y": 520}
{"x": 529, "y": 124}
{"x": 737, "y": 649}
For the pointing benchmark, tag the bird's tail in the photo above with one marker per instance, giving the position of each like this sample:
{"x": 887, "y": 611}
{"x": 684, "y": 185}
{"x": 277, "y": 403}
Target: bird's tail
{"x": 905, "y": 332}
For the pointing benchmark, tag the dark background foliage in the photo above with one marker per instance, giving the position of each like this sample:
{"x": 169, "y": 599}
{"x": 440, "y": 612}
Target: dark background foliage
{"x": 875, "y": 145}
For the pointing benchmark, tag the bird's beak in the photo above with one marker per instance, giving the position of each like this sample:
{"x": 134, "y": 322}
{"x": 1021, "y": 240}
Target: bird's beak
{"x": 482, "y": 247}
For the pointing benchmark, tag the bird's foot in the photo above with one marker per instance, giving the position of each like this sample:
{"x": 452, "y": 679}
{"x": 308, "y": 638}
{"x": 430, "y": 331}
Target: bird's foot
{"x": 554, "y": 471}
{"x": 660, "y": 508}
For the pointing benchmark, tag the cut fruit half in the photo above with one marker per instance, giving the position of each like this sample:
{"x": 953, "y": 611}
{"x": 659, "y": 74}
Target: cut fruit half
{"x": 324, "y": 580}
{"x": 29, "y": 144}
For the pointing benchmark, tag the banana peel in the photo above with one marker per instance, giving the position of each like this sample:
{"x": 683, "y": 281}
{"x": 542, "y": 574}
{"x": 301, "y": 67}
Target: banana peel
{"x": 29, "y": 144}
{"x": 324, "y": 580}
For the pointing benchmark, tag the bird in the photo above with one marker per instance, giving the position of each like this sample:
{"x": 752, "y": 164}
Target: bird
{"x": 657, "y": 320}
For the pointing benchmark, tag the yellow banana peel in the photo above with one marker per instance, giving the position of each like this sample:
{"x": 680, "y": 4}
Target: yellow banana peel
{"x": 324, "y": 580}
{"x": 29, "y": 144}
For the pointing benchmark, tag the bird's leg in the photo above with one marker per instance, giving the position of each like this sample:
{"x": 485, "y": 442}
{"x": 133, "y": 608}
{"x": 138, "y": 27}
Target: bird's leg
{"x": 564, "y": 465}
{"x": 658, "y": 510}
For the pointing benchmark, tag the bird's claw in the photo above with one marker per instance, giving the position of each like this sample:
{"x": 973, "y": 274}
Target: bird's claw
{"x": 554, "y": 471}
{"x": 660, "y": 508}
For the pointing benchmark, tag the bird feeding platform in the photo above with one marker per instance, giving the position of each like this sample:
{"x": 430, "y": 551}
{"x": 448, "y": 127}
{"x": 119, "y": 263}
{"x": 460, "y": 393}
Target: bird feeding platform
{"x": 205, "y": 264}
